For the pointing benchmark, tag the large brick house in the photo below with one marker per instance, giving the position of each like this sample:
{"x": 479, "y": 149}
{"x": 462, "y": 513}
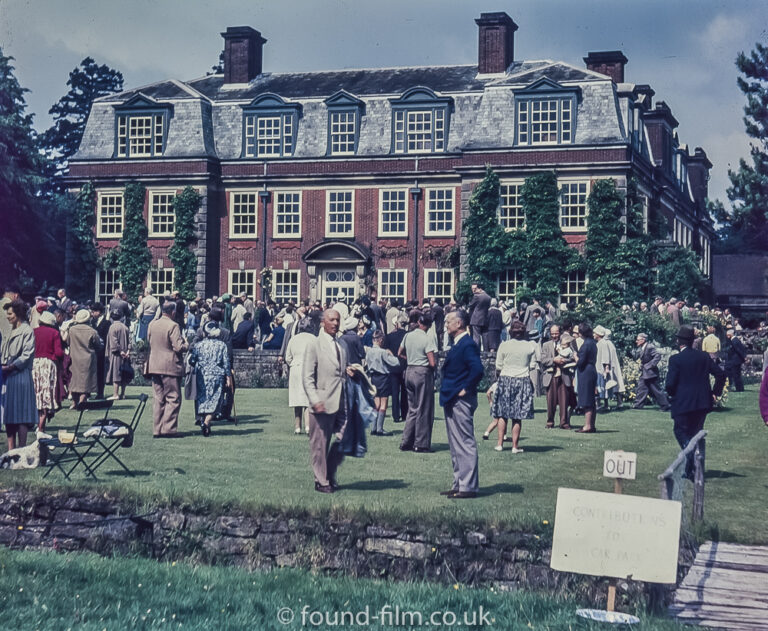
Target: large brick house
{"x": 341, "y": 179}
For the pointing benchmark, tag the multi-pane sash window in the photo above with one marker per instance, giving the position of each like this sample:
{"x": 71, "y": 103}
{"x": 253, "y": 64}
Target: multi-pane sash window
{"x": 243, "y": 214}
{"x": 393, "y": 213}
{"x": 573, "y": 288}
{"x": 285, "y": 286}
{"x": 269, "y": 136}
{"x": 509, "y": 281}
{"x": 544, "y": 121}
{"x": 140, "y": 135}
{"x": 109, "y": 210}
{"x": 511, "y": 215}
{"x": 392, "y": 284}
{"x": 242, "y": 281}
{"x": 573, "y": 205}
{"x": 419, "y": 130}
{"x": 287, "y": 215}
{"x": 340, "y": 214}
{"x": 438, "y": 284}
{"x": 162, "y": 217}
{"x": 440, "y": 211}
{"x": 343, "y": 132}
{"x": 107, "y": 283}
{"x": 161, "y": 281}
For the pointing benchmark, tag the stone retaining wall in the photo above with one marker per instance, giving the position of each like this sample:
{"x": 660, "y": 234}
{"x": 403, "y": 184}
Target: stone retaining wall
{"x": 485, "y": 556}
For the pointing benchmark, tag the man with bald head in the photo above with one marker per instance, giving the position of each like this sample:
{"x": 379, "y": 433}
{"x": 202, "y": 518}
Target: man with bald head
{"x": 324, "y": 376}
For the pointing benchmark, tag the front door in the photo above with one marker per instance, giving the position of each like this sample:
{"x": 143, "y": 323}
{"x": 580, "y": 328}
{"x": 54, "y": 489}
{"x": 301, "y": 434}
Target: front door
{"x": 338, "y": 283}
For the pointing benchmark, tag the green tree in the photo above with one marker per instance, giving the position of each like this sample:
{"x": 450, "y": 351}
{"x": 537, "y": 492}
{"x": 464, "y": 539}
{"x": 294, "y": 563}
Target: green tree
{"x": 87, "y": 82}
{"x": 133, "y": 257}
{"x": 746, "y": 226}
{"x": 184, "y": 260}
{"x": 602, "y": 249}
{"x": 677, "y": 272}
{"x": 82, "y": 258}
{"x": 487, "y": 243}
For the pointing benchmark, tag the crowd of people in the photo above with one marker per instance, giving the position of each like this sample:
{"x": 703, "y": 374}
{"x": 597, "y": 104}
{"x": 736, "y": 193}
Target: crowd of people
{"x": 61, "y": 353}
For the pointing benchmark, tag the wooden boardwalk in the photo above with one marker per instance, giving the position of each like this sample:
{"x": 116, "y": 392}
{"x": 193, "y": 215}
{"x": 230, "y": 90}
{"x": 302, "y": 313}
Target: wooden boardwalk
{"x": 726, "y": 588}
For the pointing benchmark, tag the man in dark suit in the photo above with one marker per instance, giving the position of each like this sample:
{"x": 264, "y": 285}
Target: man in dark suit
{"x": 478, "y": 313}
{"x": 649, "y": 374}
{"x": 688, "y": 386}
{"x": 736, "y": 354}
{"x": 462, "y": 371}
{"x": 397, "y": 375}
{"x": 101, "y": 323}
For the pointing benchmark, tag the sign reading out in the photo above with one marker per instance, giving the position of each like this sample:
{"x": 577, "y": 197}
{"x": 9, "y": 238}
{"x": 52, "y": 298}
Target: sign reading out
{"x": 620, "y": 464}
{"x": 623, "y": 536}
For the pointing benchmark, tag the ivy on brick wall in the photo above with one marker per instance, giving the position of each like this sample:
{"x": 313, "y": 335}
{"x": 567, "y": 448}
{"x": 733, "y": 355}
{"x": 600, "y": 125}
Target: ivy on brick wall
{"x": 184, "y": 260}
{"x": 83, "y": 259}
{"x": 605, "y": 230}
{"x": 133, "y": 258}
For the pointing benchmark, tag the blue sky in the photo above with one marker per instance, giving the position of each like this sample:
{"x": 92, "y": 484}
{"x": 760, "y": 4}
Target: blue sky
{"x": 684, "y": 49}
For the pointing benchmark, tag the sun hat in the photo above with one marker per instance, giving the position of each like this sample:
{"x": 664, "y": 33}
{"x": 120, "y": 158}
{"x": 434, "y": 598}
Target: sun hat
{"x": 47, "y": 318}
{"x": 599, "y": 330}
{"x": 350, "y": 324}
{"x": 82, "y": 316}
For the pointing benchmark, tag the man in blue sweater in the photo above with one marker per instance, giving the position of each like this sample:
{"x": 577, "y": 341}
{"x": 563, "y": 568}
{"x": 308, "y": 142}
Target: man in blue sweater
{"x": 462, "y": 371}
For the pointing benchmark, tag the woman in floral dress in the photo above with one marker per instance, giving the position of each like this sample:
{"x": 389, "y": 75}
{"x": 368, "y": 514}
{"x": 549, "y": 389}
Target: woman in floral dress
{"x": 211, "y": 362}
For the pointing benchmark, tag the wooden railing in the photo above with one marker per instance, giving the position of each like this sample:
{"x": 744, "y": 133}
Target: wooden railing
{"x": 667, "y": 479}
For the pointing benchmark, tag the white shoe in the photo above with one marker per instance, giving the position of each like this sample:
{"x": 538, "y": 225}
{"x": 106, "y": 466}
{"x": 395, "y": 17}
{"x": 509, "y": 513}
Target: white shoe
{"x": 297, "y": 431}
{"x": 42, "y": 435}
{"x": 113, "y": 398}
{"x": 517, "y": 451}
{"x": 498, "y": 448}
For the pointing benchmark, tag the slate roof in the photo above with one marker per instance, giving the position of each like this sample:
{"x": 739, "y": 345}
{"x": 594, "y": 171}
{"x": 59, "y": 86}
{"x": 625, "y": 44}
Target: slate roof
{"x": 207, "y": 117}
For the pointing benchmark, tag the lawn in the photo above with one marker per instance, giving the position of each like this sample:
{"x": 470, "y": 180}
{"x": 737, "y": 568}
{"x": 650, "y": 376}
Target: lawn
{"x": 260, "y": 463}
{"x": 46, "y": 591}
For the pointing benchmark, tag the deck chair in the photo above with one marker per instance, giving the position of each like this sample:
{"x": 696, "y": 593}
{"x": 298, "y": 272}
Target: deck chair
{"x": 103, "y": 446}
{"x": 60, "y": 454}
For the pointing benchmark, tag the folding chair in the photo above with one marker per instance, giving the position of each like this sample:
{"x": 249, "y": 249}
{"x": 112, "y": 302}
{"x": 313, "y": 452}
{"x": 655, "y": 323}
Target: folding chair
{"x": 108, "y": 445}
{"x": 64, "y": 452}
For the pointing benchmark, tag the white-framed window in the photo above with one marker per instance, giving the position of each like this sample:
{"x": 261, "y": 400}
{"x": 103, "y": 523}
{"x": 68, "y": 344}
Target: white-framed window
{"x": 343, "y": 132}
{"x": 511, "y": 214}
{"x": 393, "y": 212}
{"x": 438, "y": 284}
{"x": 507, "y": 285}
{"x": 392, "y": 284}
{"x": 242, "y": 281}
{"x": 269, "y": 136}
{"x": 109, "y": 214}
{"x": 705, "y": 255}
{"x": 140, "y": 135}
{"x": 162, "y": 216}
{"x": 161, "y": 281}
{"x": 573, "y": 205}
{"x": 440, "y": 214}
{"x": 683, "y": 234}
{"x": 243, "y": 214}
{"x": 419, "y": 130}
{"x": 339, "y": 215}
{"x": 546, "y": 121}
{"x": 287, "y": 215}
{"x": 107, "y": 283}
{"x": 573, "y": 288}
{"x": 286, "y": 285}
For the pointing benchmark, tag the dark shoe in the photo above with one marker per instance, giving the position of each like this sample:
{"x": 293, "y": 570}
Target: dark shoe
{"x": 566, "y": 426}
{"x": 450, "y": 492}
{"x": 398, "y": 420}
{"x": 423, "y": 450}
{"x": 384, "y": 432}
{"x": 206, "y": 429}
{"x": 323, "y": 489}
{"x": 404, "y": 448}
{"x": 375, "y": 432}
{"x": 486, "y": 436}
{"x": 592, "y": 430}
{"x": 463, "y": 495}
{"x": 333, "y": 484}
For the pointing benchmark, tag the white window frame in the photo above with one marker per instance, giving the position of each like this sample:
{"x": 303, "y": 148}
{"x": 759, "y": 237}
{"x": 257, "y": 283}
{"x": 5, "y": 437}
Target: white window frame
{"x": 570, "y": 284}
{"x": 151, "y": 213}
{"x": 106, "y": 296}
{"x": 153, "y": 282}
{"x": 516, "y": 282}
{"x": 340, "y": 134}
{"x": 269, "y": 135}
{"x": 428, "y": 211}
{"x": 570, "y": 182}
{"x": 328, "y": 195}
{"x": 235, "y": 288}
{"x": 530, "y": 121}
{"x": 429, "y": 295}
{"x": 255, "y": 233}
{"x": 398, "y": 233}
{"x": 276, "y": 283}
{"x": 128, "y": 138}
{"x": 519, "y": 218}
{"x": 276, "y": 215}
{"x": 100, "y": 195}
{"x": 384, "y": 285}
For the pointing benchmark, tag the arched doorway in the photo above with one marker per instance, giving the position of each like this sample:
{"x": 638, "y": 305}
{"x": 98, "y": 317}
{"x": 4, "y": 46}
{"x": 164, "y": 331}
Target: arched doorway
{"x": 337, "y": 270}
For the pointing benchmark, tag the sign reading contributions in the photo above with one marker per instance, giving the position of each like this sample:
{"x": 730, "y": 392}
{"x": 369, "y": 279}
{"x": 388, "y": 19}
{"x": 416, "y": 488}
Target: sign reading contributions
{"x": 623, "y": 536}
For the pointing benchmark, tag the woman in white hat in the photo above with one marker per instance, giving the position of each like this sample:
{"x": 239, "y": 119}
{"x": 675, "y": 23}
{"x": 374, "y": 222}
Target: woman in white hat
{"x": 610, "y": 380}
{"x": 84, "y": 343}
{"x": 48, "y": 350}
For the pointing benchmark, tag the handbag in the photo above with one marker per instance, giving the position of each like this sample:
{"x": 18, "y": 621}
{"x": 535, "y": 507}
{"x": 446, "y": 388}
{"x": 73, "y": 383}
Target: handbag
{"x": 127, "y": 373}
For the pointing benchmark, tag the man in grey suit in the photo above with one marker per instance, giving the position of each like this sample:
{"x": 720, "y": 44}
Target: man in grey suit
{"x": 649, "y": 375}
{"x": 324, "y": 376}
{"x": 557, "y": 381}
{"x": 478, "y": 313}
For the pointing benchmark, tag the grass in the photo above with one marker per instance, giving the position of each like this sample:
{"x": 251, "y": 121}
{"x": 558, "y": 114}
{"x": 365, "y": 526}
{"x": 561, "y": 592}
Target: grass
{"x": 46, "y": 591}
{"x": 261, "y": 464}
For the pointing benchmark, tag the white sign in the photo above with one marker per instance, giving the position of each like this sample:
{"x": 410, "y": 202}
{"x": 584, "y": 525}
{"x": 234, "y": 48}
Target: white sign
{"x": 624, "y": 536}
{"x": 620, "y": 464}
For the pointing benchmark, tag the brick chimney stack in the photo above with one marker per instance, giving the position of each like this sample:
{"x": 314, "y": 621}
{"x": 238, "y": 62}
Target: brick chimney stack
{"x": 610, "y": 63}
{"x": 242, "y": 54}
{"x": 496, "y": 47}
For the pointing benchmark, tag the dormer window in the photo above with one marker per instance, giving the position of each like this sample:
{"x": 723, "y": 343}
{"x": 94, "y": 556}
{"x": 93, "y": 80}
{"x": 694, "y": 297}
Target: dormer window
{"x": 420, "y": 121}
{"x": 269, "y": 127}
{"x": 141, "y": 128}
{"x": 545, "y": 114}
{"x": 344, "y": 114}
